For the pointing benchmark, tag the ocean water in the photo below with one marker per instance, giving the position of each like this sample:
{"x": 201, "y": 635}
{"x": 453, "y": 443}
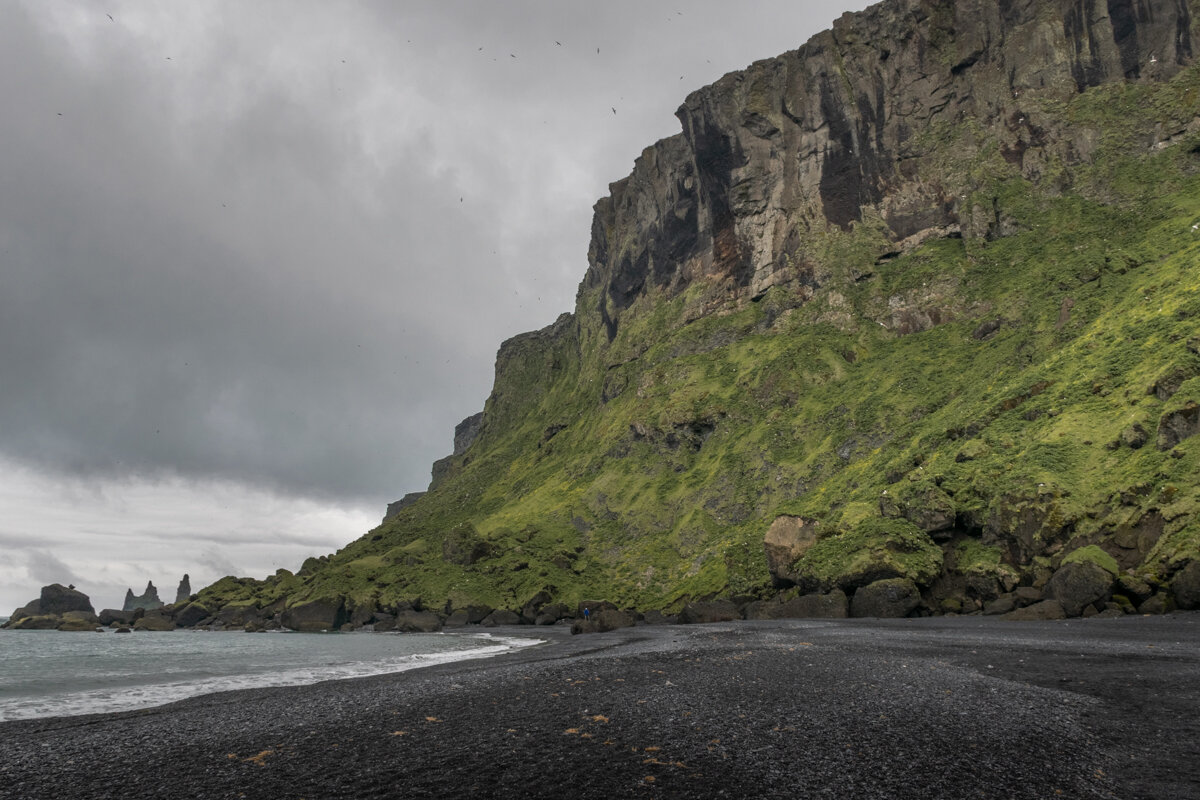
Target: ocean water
{"x": 55, "y": 673}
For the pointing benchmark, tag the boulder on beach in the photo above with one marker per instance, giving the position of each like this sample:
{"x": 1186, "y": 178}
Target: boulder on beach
{"x": 326, "y": 614}
{"x": 1080, "y": 584}
{"x": 703, "y": 612}
{"x": 417, "y": 622}
{"x": 889, "y": 598}
{"x": 501, "y": 617}
{"x": 1186, "y": 587}
{"x": 1043, "y": 610}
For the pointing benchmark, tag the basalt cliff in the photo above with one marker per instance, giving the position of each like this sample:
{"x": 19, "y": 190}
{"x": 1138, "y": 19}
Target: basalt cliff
{"x": 902, "y": 322}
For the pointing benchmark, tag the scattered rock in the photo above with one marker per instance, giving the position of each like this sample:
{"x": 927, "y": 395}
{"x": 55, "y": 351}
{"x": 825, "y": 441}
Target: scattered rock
{"x": 417, "y": 622}
{"x": 457, "y": 619}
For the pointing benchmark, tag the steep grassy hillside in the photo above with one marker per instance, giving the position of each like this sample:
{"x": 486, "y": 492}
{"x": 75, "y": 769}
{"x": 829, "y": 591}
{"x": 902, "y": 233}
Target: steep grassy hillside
{"x": 966, "y": 412}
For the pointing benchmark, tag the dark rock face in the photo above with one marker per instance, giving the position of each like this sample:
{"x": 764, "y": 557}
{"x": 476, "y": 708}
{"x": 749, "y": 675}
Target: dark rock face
{"x": 1177, "y": 425}
{"x": 710, "y": 611}
{"x": 147, "y": 599}
{"x": 894, "y": 597}
{"x": 1078, "y": 585}
{"x": 833, "y": 130}
{"x": 466, "y": 432}
{"x": 1186, "y": 587}
{"x": 315, "y": 615}
{"x": 184, "y": 591}
{"x": 396, "y": 507}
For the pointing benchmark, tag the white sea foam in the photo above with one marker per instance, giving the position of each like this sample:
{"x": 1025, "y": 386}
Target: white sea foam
{"x": 117, "y": 687}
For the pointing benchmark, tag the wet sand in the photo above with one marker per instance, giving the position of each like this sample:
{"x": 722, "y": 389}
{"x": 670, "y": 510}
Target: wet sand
{"x": 964, "y": 707}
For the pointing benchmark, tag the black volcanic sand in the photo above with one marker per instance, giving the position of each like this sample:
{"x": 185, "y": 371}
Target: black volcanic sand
{"x": 932, "y": 708}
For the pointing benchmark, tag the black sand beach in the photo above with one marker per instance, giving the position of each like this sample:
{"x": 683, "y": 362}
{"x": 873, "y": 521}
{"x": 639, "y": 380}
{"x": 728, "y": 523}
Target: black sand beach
{"x": 934, "y": 708}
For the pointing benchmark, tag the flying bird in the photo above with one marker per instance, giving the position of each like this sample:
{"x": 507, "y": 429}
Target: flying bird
{"x": 614, "y": 110}
{"x": 110, "y": 17}
{"x": 558, "y": 43}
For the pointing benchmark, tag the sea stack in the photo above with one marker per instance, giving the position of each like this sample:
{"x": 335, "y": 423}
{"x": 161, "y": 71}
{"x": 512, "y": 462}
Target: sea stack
{"x": 147, "y": 600}
{"x": 184, "y": 591}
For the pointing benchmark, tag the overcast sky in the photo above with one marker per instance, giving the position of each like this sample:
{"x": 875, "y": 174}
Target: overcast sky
{"x": 256, "y": 259}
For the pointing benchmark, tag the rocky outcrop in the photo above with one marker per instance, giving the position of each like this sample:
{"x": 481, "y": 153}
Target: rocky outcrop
{"x": 53, "y": 604}
{"x": 787, "y": 540}
{"x": 146, "y": 600}
{"x": 850, "y": 126}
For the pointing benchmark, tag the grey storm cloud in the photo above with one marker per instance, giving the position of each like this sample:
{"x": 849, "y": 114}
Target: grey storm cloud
{"x": 278, "y": 244}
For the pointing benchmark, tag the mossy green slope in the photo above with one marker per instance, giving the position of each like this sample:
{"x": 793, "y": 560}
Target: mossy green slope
{"x": 1024, "y": 414}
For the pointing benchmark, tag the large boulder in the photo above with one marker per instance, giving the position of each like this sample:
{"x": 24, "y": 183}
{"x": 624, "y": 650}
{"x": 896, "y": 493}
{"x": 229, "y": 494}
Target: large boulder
{"x": 1044, "y": 610}
{"x": 551, "y": 614}
{"x": 709, "y": 611}
{"x": 324, "y": 614}
{"x": 787, "y": 539}
{"x": 191, "y": 615}
{"x": 113, "y": 617}
{"x": 1186, "y": 587}
{"x": 77, "y": 624}
{"x": 893, "y": 597}
{"x": 1080, "y": 584}
{"x": 833, "y": 605}
{"x": 154, "y": 620}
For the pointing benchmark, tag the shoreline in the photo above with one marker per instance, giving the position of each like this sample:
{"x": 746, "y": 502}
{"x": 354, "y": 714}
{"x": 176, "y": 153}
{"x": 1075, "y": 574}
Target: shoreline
{"x": 934, "y": 707}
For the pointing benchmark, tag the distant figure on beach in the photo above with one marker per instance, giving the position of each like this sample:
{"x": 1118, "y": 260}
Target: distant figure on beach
{"x": 587, "y": 614}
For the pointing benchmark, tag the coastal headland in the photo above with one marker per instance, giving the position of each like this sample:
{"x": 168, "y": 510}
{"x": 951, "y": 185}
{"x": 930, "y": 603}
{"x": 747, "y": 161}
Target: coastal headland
{"x": 949, "y": 707}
